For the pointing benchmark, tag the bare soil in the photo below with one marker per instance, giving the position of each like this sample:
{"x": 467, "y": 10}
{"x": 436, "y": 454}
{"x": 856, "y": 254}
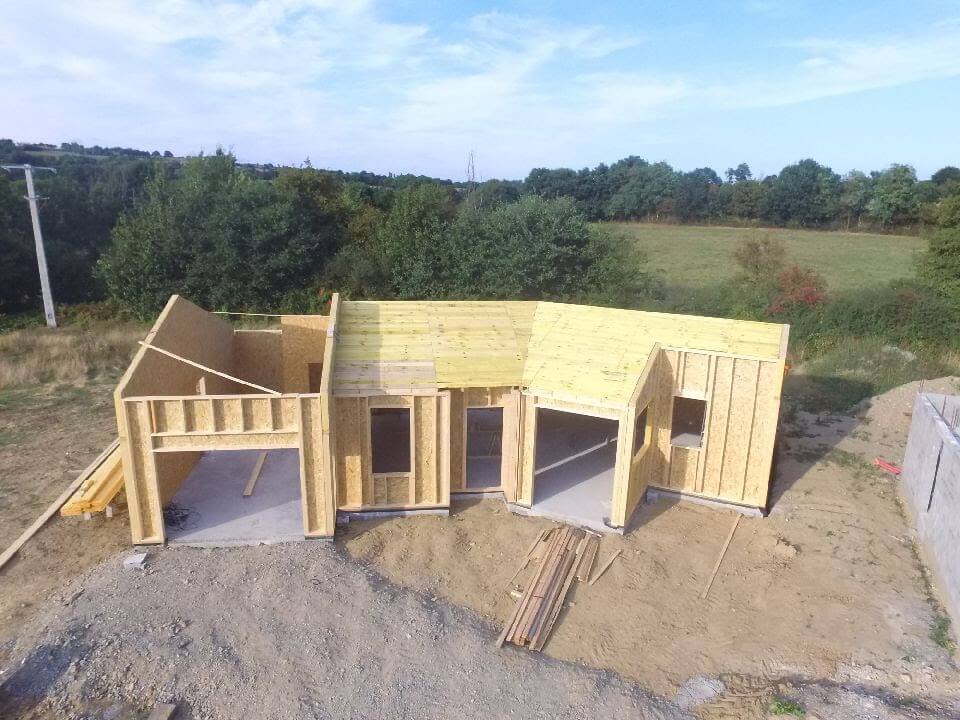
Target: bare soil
{"x": 824, "y": 602}
{"x": 828, "y": 586}
{"x": 48, "y": 434}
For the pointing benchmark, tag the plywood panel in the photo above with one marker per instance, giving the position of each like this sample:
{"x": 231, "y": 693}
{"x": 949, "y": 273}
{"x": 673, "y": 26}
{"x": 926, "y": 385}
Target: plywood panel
{"x": 302, "y": 340}
{"x": 457, "y": 441}
{"x": 528, "y": 449}
{"x": 739, "y": 429}
{"x": 718, "y": 423}
{"x": 425, "y": 455}
{"x": 683, "y": 469}
{"x": 694, "y": 375}
{"x": 351, "y": 428}
{"x": 576, "y": 352}
{"x": 763, "y": 440}
{"x": 257, "y": 357}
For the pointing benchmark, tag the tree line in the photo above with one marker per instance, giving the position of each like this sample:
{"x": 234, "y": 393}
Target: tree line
{"x": 135, "y": 227}
{"x": 805, "y": 194}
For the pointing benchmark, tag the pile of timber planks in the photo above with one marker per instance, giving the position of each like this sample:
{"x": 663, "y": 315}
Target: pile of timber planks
{"x": 563, "y": 555}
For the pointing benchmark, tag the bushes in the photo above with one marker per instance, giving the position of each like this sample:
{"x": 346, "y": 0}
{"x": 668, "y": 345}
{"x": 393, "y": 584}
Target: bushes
{"x": 939, "y": 266}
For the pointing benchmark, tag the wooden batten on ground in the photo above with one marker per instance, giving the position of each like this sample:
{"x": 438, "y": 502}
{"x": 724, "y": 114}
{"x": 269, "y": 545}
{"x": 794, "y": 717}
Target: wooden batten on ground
{"x": 563, "y": 554}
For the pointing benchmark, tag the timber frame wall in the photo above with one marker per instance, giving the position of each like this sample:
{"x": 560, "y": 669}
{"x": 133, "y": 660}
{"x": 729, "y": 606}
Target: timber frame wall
{"x": 169, "y": 412}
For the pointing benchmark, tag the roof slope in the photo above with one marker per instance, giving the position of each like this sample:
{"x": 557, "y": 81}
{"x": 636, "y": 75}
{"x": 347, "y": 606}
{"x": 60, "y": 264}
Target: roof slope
{"x": 579, "y": 351}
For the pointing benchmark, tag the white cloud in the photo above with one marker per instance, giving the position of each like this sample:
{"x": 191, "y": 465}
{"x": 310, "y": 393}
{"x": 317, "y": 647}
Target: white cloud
{"x": 282, "y": 79}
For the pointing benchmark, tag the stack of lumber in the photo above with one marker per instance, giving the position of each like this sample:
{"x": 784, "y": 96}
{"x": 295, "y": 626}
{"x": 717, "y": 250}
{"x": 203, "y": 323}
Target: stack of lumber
{"x": 563, "y": 554}
{"x": 100, "y": 483}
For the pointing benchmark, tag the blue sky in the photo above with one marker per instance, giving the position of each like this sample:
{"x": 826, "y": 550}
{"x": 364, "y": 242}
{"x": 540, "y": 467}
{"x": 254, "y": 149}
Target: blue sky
{"x": 415, "y": 86}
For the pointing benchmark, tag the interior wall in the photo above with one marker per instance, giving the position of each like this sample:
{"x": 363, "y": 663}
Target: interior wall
{"x": 302, "y": 339}
{"x": 257, "y": 357}
{"x": 743, "y": 406}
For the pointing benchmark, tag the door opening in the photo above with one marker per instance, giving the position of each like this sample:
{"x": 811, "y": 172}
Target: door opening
{"x": 484, "y": 448}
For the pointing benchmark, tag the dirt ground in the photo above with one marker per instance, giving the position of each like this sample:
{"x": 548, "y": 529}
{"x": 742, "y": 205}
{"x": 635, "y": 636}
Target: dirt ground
{"x": 827, "y": 587}
{"x": 48, "y": 434}
{"x": 824, "y": 602}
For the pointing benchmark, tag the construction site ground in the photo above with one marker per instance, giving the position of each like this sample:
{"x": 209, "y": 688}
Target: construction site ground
{"x": 824, "y": 603}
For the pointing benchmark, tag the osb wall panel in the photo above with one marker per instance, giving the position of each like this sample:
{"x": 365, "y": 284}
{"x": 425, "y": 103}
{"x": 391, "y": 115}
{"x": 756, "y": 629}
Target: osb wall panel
{"x": 351, "y": 429}
{"x": 257, "y": 357}
{"x": 193, "y": 333}
{"x": 357, "y": 487}
{"x": 425, "y": 461}
{"x": 458, "y": 478}
{"x": 743, "y": 404}
{"x": 302, "y": 339}
{"x": 316, "y": 491}
{"x": 460, "y": 400}
{"x": 647, "y": 465}
{"x": 528, "y": 450}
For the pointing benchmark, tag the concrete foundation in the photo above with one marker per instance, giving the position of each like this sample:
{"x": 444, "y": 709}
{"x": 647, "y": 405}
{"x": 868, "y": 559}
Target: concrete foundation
{"x": 573, "y": 477}
{"x": 209, "y": 510}
{"x": 931, "y": 485}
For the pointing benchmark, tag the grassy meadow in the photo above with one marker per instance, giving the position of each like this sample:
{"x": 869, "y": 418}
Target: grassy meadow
{"x": 694, "y": 255}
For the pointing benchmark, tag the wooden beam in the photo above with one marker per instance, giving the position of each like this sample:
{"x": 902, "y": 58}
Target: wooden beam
{"x": 200, "y": 366}
{"x": 55, "y": 505}
{"x": 255, "y": 475}
{"x": 723, "y": 551}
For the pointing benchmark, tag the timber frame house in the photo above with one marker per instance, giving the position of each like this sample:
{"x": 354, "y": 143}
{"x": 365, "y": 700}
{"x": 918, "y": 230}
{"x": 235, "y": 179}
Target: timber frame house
{"x": 320, "y": 382}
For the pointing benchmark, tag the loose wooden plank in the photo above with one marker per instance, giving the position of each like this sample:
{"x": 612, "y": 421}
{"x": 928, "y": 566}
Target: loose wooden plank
{"x": 512, "y": 624}
{"x": 552, "y": 610}
{"x": 529, "y": 555}
{"x": 55, "y": 506}
{"x": 723, "y": 551}
{"x": 255, "y": 475}
{"x": 605, "y": 567}
{"x": 540, "y": 640}
{"x": 585, "y": 567}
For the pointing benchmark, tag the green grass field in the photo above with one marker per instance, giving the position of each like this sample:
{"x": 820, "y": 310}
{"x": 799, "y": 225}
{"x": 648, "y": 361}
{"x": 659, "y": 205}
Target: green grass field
{"x": 697, "y": 256}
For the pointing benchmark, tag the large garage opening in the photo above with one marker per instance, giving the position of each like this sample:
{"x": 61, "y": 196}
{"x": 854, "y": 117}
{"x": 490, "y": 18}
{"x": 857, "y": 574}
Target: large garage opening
{"x": 238, "y": 497}
{"x": 573, "y": 474}
{"x": 484, "y": 448}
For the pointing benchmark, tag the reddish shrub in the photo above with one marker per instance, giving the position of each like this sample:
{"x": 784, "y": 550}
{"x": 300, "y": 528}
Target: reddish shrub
{"x": 797, "y": 286}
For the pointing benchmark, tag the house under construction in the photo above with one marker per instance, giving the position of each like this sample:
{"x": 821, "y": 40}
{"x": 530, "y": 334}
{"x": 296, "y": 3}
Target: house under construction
{"x": 569, "y": 411}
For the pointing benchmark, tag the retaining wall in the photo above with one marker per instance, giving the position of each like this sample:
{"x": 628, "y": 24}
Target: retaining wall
{"x": 931, "y": 483}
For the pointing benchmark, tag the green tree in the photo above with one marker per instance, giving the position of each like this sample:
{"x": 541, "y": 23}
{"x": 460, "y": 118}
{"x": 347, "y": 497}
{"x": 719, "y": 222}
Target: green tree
{"x": 644, "y": 191}
{"x": 946, "y": 175}
{"x": 224, "y": 239}
{"x": 895, "y": 200}
{"x": 805, "y": 194}
{"x": 948, "y": 212}
{"x": 692, "y": 195}
{"x": 939, "y": 266}
{"x": 856, "y": 191}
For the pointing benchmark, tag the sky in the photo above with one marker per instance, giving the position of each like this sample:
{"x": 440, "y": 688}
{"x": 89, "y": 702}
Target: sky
{"x": 415, "y": 87}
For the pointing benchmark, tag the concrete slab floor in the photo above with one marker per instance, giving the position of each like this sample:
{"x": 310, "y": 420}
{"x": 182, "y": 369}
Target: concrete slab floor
{"x": 573, "y": 480}
{"x": 209, "y": 510}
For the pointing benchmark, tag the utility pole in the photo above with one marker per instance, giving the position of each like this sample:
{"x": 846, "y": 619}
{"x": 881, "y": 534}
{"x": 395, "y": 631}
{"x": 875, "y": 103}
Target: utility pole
{"x": 38, "y": 239}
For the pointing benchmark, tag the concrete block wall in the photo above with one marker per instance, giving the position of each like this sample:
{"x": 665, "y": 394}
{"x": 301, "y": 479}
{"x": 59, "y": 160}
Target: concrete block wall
{"x": 931, "y": 484}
